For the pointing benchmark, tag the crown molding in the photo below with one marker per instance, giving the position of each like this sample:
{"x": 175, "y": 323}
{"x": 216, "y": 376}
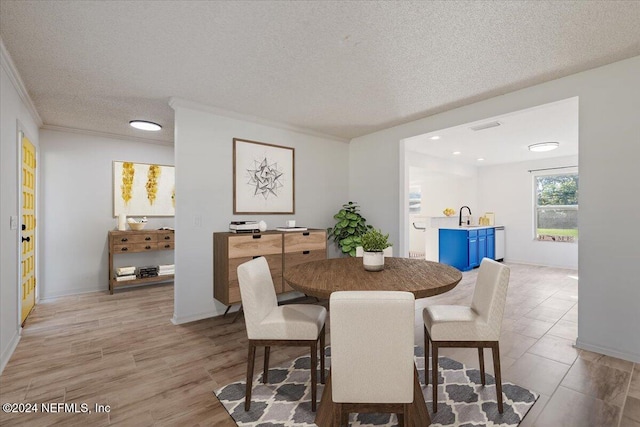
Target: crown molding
{"x": 10, "y": 67}
{"x": 106, "y": 135}
{"x": 179, "y": 102}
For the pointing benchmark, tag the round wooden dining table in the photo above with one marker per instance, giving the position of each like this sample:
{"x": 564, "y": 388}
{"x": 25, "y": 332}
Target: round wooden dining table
{"x": 420, "y": 277}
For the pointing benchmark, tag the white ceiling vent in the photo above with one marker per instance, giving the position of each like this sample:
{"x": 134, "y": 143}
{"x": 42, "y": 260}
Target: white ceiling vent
{"x": 485, "y": 126}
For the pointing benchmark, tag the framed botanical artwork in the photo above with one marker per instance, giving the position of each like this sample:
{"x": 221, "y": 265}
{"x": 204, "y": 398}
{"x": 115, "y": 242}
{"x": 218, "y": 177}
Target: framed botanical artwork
{"x": 263, "y": 178}
{"x": 143, "y": 189}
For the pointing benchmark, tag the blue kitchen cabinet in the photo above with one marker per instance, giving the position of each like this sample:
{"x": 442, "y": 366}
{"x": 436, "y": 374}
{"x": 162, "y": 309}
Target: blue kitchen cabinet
{"x": 464, "y": 249}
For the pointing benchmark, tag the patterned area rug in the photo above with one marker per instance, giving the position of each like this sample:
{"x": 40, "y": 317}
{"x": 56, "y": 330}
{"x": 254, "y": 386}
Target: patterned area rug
{"x": 462, "y": 399}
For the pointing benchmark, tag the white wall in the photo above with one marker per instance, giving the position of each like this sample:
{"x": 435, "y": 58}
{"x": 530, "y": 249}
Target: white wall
{"x": 203, "y": 144}
{"x": 445, "y": 184}
{"x": 76, "y": 202}
{"x": 507, "y": 190}
{"x": 609, "y": 150}
{"x": 14, "y": 116}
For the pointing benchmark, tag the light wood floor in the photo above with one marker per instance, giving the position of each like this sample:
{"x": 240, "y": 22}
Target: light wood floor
{"x": 122, "y": 350}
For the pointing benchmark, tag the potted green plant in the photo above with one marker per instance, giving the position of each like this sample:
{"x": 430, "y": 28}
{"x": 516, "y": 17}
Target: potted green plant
{"x": 373, "y": 245}
{"x": 350, "y": 226}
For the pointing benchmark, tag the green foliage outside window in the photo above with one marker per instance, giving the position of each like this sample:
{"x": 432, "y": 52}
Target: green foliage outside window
{"x": 557, "y": 207}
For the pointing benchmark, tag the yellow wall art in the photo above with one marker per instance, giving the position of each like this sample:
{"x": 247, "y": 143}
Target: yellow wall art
{"x": 143, "y": 189}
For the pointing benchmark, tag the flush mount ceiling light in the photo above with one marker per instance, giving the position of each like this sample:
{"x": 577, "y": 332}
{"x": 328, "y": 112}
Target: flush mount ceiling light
{"x": 455, "y": 153}
{"x": 145, "y": 125}
{"x": 434, "y": 137}
{"x": 543, "y": 146}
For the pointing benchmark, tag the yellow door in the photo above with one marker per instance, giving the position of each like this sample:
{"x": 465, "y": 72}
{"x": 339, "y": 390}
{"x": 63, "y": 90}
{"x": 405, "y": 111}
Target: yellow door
{"x": 28, "y": 214}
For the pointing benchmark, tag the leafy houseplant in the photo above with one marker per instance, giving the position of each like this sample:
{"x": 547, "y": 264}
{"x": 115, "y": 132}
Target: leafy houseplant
{"x": 374, "y": 241}
{"x": 373, "y": 244}
{"x": 350, "y": 225}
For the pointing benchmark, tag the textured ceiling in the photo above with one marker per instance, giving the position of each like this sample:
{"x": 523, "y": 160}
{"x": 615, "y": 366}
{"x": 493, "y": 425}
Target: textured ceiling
{"x": 338, "y": 68}
{"x": 508, "y": 142}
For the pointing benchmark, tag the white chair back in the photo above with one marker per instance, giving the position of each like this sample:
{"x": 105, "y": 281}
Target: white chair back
{"x": 372, "y": 338}
{"x": 490, "y": 294}
{"x": 256, "y": 292}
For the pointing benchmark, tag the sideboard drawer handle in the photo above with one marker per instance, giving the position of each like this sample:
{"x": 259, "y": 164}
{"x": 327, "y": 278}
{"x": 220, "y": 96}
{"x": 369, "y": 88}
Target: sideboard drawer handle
{"x": 257, "y": 236}
{"x": 167, "y": 246}
{"x": 306, "y": 233}
{"x": 147, "y": 247}
{"x": 147, "y": 238}
{"x": 306, "y": 252}
{"x": 124, "y": 239}
{"x": 124, "y": 249}
{"x": 167, "y": 237}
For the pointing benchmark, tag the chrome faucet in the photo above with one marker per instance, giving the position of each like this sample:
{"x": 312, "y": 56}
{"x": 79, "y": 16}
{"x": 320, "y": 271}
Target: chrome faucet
{"x": 460, "y": 215}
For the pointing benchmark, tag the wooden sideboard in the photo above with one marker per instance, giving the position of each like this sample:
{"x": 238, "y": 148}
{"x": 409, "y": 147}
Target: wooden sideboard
{"x": 126, "y": 242}
{"x": 282, "y": 249}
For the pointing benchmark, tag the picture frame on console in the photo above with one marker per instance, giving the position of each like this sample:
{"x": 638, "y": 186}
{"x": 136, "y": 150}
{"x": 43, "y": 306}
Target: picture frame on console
{"x": 263, "y": 178}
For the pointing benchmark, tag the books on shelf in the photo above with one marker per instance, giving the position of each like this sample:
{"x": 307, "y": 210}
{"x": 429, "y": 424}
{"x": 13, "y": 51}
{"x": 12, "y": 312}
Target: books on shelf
{"x": 125, "y": 271}
{"x": 124, "y": 274}
{"x": 148, "y": 271}
{"x": 166, "y": 270}
{"x": 291, "y": 228}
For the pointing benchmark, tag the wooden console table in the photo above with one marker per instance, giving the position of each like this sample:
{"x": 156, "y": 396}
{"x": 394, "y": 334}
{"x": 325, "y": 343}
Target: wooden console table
{"x": 126, "y": 242}
{"x": 282, "y": 249}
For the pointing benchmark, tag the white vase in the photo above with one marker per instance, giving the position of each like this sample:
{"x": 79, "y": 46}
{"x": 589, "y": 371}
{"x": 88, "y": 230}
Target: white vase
{"x": 373, "y": 261}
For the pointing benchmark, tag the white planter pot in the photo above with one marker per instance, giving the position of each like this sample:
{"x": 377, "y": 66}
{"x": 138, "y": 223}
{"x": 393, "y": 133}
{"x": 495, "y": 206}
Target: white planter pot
{"x": 373, "y": 261}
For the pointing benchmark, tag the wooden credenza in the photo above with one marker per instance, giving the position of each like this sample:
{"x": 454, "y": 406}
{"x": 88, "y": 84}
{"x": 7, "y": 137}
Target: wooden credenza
{"x": 281, "y": 249}
{"x": 127, "y": 242}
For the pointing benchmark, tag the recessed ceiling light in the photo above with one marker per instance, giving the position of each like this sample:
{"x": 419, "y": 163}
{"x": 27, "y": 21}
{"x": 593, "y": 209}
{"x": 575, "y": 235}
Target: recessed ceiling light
{"x": 435, "y": 137}
{"x": 544, "y": 146}
{"x": 480, "y": 159}
{"x": 485, "y": 126}
{"x": 455, "y": 153}
{"x": 145, "y": 125}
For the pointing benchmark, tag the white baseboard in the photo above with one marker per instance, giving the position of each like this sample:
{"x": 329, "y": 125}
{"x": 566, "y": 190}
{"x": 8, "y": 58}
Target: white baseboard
{"x": 8, "y": 352}
{"x": 69, "y": 292}
{"x": 632, "y": 357}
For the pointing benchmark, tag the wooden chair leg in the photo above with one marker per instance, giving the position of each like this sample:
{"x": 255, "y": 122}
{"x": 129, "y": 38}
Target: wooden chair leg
{"x": 496, "y": 370}
{"x": 314, "y": 374}
{"x": 265, "y": 374}
{"x": 322, "y": 355}
{"x": 401, "y": 420}
{"x": 481, "y": 359}
{"x": 408, "y": 415}
{"x": 434, "y": 373}
{"x": 426, "y": 357}
{"x": 344, "y": 418}
{"x": 337, "y": 415}
{"x": 251, "y": 356}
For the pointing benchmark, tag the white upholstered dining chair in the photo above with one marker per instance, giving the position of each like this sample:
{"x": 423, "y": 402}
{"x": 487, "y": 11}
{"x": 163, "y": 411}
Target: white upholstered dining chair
{"x": 476, "y": 326}
{"x": 269, "y": 324}
{"x": 372, "y": 367}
